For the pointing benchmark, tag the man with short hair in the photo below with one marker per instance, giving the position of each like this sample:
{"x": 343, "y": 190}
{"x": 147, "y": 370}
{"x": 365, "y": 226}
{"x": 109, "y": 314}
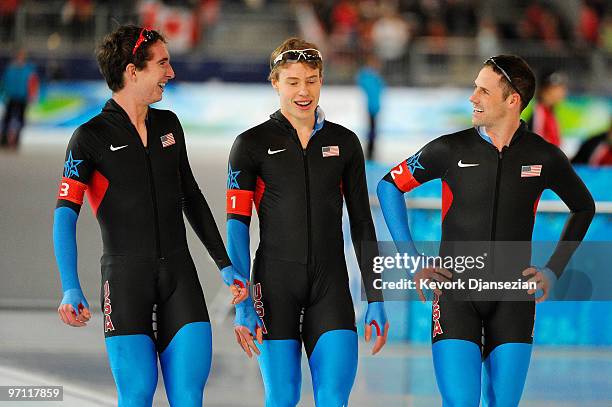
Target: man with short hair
{"x": 298, "y": 168}
{"x": 132, "y": 161}
{"x": 493, "y": 175}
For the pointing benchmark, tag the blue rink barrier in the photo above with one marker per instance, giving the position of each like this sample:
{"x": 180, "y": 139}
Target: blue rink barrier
{"x": 557, "y": 322}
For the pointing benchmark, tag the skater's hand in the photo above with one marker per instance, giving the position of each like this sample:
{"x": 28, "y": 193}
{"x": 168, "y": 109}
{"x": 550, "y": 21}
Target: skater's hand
{"x": 377, "y": 317}
{"x": 544, "y": 279}
{"x": 74, "y": 301}
{"x": 238, "y": 285}
{"x": 431, "y": 274}
{"x": 247, "y": 327}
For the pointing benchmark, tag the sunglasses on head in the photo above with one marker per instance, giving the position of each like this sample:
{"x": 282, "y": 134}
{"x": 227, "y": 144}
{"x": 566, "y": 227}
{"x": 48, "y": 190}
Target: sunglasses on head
{"x": 145, "y": 35}
{"x": 492, "y": 62}
{"x": 294, "y": 55}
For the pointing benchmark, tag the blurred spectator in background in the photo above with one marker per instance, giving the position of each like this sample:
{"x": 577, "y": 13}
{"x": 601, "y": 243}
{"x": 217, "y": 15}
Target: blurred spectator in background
{"x": 605, "y": 35}
{"x": 344, "y": 23}
{"x": 437, "y": 34}
{"x": 372, "y": 84}
{"x": 487, "y": 39}
{"x": 552, "y": 89}
{"x": 8, "y": 8}
{"x": 390, "y": 36}
{"x": 596, "y": 151}
{"x": 588, "y": 24}
{"x": 20, "y": 87}
{"x": 78, "y": 16}
{"x": 207, "y": 15}
{"x": 442, "y": 32}
{"x": 543, "y": 23}
{"x": 310, "y": 18}
{"x": 460, "y": 18}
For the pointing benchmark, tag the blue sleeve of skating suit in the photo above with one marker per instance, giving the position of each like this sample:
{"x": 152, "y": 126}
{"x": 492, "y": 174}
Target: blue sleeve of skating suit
{"x": 238, "y": 242}
{"x": 65, "y": 247}
{"x": 241, "y": 188}
{"x": 393, "y": 208}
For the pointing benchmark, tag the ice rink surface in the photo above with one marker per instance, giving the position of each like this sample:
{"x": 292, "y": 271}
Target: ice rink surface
{"x": 37, "y": 349}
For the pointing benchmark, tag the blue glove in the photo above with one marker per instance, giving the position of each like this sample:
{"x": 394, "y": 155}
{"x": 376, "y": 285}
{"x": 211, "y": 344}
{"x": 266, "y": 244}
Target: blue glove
{"x": 247, "y": 316}
{"x": 376, "y": 316}
{"x": 75, "y": 297}
{"x": 231, "y": 276}
{"x": 248, "y": 327}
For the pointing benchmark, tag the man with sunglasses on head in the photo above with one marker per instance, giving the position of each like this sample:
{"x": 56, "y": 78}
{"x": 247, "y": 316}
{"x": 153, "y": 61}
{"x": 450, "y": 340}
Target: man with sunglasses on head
{"x": 492, "y": 177}
{"x": 298, "y": 168}
{"x": 131, "y": 159}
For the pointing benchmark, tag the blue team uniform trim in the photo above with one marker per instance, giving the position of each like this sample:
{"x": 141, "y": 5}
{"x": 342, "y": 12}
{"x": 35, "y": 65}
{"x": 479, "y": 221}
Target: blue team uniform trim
{"x": 65, "y": 246}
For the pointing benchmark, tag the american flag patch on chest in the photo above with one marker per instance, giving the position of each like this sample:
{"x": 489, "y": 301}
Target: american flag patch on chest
{"x": 167, "y": 140}
{"x": 330, "y": 151}
{"x": 531, "y": 170}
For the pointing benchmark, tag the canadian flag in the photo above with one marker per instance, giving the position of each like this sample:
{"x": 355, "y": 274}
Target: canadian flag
{"x": 176, "y": 24}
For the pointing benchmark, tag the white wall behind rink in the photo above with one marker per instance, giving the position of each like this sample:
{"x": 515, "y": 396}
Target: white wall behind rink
{"x": 232, "y": 108}
{"x": 218, "y": 111}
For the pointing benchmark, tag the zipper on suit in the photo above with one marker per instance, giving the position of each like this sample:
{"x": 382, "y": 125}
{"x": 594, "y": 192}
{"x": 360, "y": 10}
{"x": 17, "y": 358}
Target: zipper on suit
{"x": 307, "y": 186}
{"x": 154, "y": 201}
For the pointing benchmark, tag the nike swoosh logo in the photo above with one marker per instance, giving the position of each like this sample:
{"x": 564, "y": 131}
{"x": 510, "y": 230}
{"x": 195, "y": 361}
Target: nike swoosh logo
{"x": 117, "y": 148}
{"x": 463, "y": 165}
{"x": 275, "y": 151}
